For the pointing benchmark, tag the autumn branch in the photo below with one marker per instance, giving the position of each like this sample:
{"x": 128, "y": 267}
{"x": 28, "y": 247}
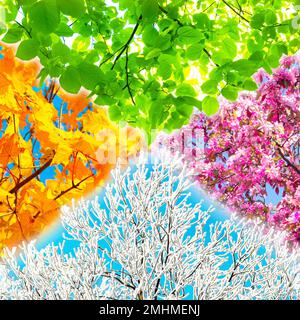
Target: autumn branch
{"x": 18, "y": 186}
{"x": 74, "y": 186}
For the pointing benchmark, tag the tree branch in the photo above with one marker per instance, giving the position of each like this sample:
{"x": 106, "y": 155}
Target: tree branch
{"x": 234, "y": 10}
{"x": 181, "y": 25}
{"x": 74, "y": 186}
{"x": 127, "y": 77}
{"x": 26, "y": 30}
{"x": 18, "y": 186}
{"x": 288, "y": 162}
{"x": 209, "y": 56}
{"x": 124, "y": 47}
{"x": 163, "y": 10}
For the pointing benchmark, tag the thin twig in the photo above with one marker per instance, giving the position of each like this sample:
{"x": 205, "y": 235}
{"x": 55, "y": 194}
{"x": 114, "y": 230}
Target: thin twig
{"x": 124, "y": 47}
{"x": 127, "y": 77}
{"x": 235, "y": 10}
{"x": 31, "y": 177}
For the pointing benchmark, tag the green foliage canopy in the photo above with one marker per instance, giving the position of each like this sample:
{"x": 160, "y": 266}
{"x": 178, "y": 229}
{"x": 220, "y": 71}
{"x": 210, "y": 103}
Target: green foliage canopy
{"x": 139, "y": 57}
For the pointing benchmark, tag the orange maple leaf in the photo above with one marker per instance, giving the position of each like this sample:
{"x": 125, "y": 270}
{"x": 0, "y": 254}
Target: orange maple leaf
{"x": 47, "y": 156}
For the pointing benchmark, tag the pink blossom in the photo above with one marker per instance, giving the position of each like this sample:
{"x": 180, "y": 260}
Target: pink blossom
{"x": 251, "y": 149}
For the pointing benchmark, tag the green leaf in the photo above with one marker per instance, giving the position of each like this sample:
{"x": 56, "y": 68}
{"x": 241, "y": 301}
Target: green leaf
{"x": 104, "y": 100}
{"x": 194, "y": 51}
{"x": 150, "y": 10}
{"x": 42, "y": 76}
{"x": 257, "y": 56}
{"x": 167, "y": 59}
{"x": 63, "y": 30}
{"x": 190, "y": 101}
{"x": 81, "y": 43}
{"x": 44, "y": 40}
{"x": 150, "y": 35}
{"x": 249, "y": 84}
{"x": 143, "y": 102}
{"x": 229, "y": 92}
{"x": 210, "y": 87}
{"x": 210, "y": 105}
{"x": 115, "y": 113}
{"x": 216, "y": 74}
{"x": 28, "y": 49}
{"x": 70, "y": 80}
{"x": 170, "y": 84}
{"x": 73, "y": 8}
{"x": 90, "y": 75}
{"x": 164, "y": 70}
{"x": 270, "y": 18}
{"x": 55, "y": 69}
{"x": 255, "y": 42}
{"x": 257, "y": 20}
{"x": 229, "y": 49}
{"x": 245, "y": 67}
{"x": 272, "y": 60}
{"x": 202, "y": 20}
{"x": 184, "y": 110}
{"x": 60, "y": 50}
{"x": 156, "y": 113}
{"x": 44, "y": 16}
{"x": 269, "y": 33}
{"x": 175, "y": 121}
{"x": 163, "y": 42}
{"x": 13, "y": 35}
{"x": 189, "y": 35}
{"x": 185, "y": 90}
{"x": 277, "y": 50}
{"x": 220, "y": 58}
{"x": 152, "y": 53}
{"x": 25, "y": 2}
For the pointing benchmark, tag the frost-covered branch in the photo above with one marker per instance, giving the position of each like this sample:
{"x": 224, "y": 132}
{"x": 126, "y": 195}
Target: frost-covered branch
{"x": 150, "y": 242}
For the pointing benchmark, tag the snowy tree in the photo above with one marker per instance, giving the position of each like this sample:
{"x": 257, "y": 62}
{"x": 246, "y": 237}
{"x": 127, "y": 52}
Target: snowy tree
{"x": 149, "y": 241}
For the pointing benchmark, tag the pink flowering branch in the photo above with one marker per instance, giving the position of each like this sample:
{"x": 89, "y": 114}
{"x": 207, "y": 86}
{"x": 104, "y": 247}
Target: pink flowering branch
{"x": 288, "y": 162}
{"x": 250, "y": 149}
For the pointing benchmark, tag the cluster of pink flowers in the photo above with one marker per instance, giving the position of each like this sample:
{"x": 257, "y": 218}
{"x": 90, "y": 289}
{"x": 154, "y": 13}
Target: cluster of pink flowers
{"x": 248, "y": 155}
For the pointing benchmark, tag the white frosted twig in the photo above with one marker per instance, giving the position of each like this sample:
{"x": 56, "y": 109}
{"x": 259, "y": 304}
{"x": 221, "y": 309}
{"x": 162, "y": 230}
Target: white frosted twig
{"x": 149, "y": 242}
